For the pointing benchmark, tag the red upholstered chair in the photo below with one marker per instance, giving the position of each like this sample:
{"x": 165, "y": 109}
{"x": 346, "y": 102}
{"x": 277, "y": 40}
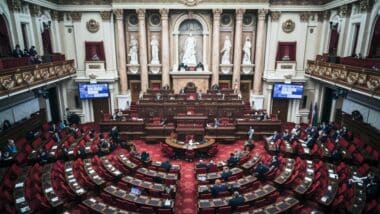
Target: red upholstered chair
{"x": 225, "y": 210}
{"x": 144, "y": 209}
{"x": 243, "y": 208}
{"x": 164, "y": 211}
{"x": 207, "y": 211}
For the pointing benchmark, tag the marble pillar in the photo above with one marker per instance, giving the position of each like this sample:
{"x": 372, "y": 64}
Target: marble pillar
{"x": 143, "y": 50}
{"x": 260, "y": 51}
{"x": 121, "y": 67}
{"x": 165, "y": 55}
{"x": 215, "y": 46}
{"x": 237, "y": 47}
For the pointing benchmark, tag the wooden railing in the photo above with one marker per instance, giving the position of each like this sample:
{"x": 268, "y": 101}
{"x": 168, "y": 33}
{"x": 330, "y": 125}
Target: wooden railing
{"x": 14, "y": 79}
{"x": 367, "y": 133}
{"x": 358, "y": 78}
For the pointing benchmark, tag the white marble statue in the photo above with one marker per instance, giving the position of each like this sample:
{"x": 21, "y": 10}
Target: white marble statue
{"x": 247, "y": 52}
{"x": 226, "y": 51}
{"x": 133, "y": 51}
{"x": 154, "y": 45}
{"x": 189, "y": 57}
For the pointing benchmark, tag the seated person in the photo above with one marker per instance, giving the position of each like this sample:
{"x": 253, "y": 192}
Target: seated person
{"x": 201, "y": 164}
{"x": 310, "y": 141}
{"x": 17, "y": 52}
{"x": 249, "y": 144}
{"x": 163, "y": 122}
{"x": 218, "y": 187}
{"x": 238, "y": 154}
{"x": 166, "y": 165}
{"x": 216, "y": 122}
{"x": 145, "y": 156}
{"x": 296, "y": 130}
{"x": 114, "y": 133}
{"x": 82, "y": 151}
{"x": 211, "y": 164}
{"x": 261, "y": 169}
{"x": 286, "y": 135}
{"x": 226, "y": 173}
{"x": 275, "y": 162}
{"x": 11, "y": 147}
{"x": 104, "y": 146}
{"x": 236, "y": 200}
{"x": 293, "y": 138}
{"x": 43, "y": 156}
{"x": 7, "y": 156}
{"x": 232, "y": 160}
{"x": 276, "y": 136}
{"x": 337, "y": 155}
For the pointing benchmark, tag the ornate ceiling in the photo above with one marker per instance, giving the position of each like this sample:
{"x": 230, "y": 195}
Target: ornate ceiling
{"x": 191, "y": 2}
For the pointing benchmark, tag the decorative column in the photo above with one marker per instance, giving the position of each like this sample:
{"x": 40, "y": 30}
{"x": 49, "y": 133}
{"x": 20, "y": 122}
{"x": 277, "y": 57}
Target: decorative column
{"x": 15, "y": 7}
{"x": 345, "y": 12}
{"x": 119, "y": 14}
{"x": 35, "y": 12}
{"x": 143, "y": 50}
{"x": 333, "y": 109}
{"x": 165, "y": 55}
{"x": 260, "y": 51}
{"x": 215, "y": 46}
{"x": 237, "y": 48}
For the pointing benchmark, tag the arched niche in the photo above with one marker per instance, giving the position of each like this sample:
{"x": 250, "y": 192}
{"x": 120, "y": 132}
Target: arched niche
{"x": 179, "y": 33}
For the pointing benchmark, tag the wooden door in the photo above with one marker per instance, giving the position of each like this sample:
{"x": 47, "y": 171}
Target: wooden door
{"x": 135, "y": 90}
{"x": 245, "y": 87}
{"x": 100, "y": 107}
{"x": 280, "y": 107}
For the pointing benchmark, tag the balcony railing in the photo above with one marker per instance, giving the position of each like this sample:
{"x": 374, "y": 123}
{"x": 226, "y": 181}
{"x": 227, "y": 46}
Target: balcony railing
{"x": 15, "y": 79}
{"x": 358, "y": 78}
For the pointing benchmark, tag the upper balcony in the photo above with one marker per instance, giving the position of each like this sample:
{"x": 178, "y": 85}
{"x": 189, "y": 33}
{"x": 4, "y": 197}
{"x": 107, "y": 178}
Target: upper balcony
{"x": 19, "y": 79}
{"x": 358, "y": 79}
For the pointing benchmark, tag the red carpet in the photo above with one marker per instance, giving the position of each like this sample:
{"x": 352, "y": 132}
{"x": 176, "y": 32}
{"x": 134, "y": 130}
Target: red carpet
{"x": 186, "y": 198}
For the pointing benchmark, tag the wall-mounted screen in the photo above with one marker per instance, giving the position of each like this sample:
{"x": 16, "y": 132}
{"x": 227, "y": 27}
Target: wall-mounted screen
{"x": 93, "y": 91}
{"x": 287, "y": 91}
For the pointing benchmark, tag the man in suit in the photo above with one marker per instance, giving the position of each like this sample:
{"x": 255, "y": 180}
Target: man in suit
{"x": 276, "y": 136}
{"x": 217, "y": 187}
{"x": 260, "y": 170}
{"x": 226, "y": 173}
{"x": 166, "y": 165}
{"x": 233, "y": 160}
{"x": 236, "y": 200}
{"x": 201, "y": 164}
{"x": 145, "y": 156}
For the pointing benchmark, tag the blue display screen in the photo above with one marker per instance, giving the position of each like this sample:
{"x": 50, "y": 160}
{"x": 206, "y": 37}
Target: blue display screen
{"x": 93, "y": 91}
{"x": 287, "y": 91}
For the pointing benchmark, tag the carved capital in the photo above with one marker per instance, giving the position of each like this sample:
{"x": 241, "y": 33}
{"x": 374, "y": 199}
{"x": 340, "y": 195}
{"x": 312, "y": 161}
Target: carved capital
{"x": 14, "y": 5}
{"x": 365, "y": 5}
{"x": 345, "y": 10}
{"x": 61, "y": 16}
{"x": 262, "y": 13}
{"x": 217, "y": 12}
{"x": 326, "y": 15}
{"x": 119, "y": 13}
{"x": 164, "y": 13}
{"x": 76, "y": 16}
{"x": 275, "y": 15}
{"x": 239, "y": 13}
{"x": 106, "y": 15}
{"x": 140, "y": 13}
{"x": 54, "y": 15}
{"x": 304, "y": 16}
{"x": 35, "y": 10}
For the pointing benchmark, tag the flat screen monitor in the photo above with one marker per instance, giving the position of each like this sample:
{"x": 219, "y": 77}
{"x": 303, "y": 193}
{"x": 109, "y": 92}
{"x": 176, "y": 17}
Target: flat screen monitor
{"x": 93, "y": 91}
{"x": 287, "y": 91}
{"x": 135, "y": 191}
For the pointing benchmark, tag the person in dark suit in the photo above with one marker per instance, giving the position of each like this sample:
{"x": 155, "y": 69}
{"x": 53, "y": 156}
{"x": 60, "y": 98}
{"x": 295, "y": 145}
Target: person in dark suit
{"x": 17, "y": 52}
{"x": 226, "y": 173}
{"x": 166, "y": 165}
{"x": 276, "y": 136}
{"x": 145, "y": 156}
{"x": 275, "y": 161}
{"x": 201, "y": 164}
{"x": 232, "y": 160}
{"x": 236, "y": 200}
{"x": 260, "y": 170}
{"x": 217, "y": 188}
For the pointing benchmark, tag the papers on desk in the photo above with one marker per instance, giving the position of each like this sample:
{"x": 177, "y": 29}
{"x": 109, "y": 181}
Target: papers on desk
{"x": 18, "y": 185}
{"x": 91, "y": 171}
{"x": 168, "y": 203}
{"x": 92, "y": 200}
{"x": 54, "y": 147}
{"x": 70, "y": 176}
{"x": 202, "y": 177}
{"x": 25, "y": 209}
{"x": 333, "y": 176}
{"x": 50, "y": 189}
{"x": 68, "y": 169}
{"x": 324, "y": 199}
{"x": 308, "y": 179}
{"x": 72, "y": 180}
{"x": 20, "y": 200}
{"x": 55, "y": 199}
{"x": 310, "y": 170}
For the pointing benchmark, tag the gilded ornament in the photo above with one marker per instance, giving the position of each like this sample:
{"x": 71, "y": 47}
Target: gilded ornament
{"x": 92, "y": 26}
{"x": 288, "y": 26}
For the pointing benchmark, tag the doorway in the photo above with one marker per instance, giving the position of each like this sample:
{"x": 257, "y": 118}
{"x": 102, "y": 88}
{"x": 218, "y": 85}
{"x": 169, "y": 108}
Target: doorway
{"x": 245, "y": 86}
{"x": 280, "y": 107}
{"x": 135, "y": 90}
{"x": 100, "y": 107}
{"x": 54, "y": 106}
{"x": 327, "y": 101}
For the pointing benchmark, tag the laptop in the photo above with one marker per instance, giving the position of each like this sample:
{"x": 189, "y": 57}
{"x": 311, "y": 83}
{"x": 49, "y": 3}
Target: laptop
{"x": 135, "y": 191}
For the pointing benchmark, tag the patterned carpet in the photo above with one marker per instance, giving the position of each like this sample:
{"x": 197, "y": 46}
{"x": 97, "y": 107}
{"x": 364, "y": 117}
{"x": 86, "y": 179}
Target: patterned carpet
{"x": 186, "y": 198}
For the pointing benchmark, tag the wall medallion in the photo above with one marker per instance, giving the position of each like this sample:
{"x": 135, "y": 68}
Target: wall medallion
{"x": 226, "y": 19}
{"x": 92, "y": 26}
{"x": 288, "y": 26}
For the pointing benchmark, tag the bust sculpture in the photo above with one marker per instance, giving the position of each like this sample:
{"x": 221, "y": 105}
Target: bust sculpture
{"x": 133, "y": 51}
{"x": 154, "y": 45}
{"x": 226, "y": 51}
{"x": 247, "y": 52}
{"x": 189, "y": 57}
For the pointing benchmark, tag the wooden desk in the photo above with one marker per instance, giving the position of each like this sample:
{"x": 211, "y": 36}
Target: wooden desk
{"x": 250, "y": 196}
{"x": 48, "y": 189}
{"x": 359, "y": 201}
{"x": 132, "y": 128}
{"x": 73, "y": 145}
{"x": 71, "y": 180}
{"x": 91, "y": 173}
{"x": 286, "y": 173}
{"x": 124, "y": 160}
{"x": 21, "y": 205}
{"x": 247, "y": 180}
{"x": 279, "y": 207}
{"x": 174, "y": 145}
{"x": 216, "y": 175}
{"x": 332, "y": 186}
{"x": 308, "y": 179}
{"x": 147, "y": 184}
{"x": 162, "y": 175}
{"x": 264, "y": 127}
{"x": 175, "y": 167}
{"x": 110, "y": 167}
{"x": 139, "y": 199}
{"x": 251, "y": 162}
{"x": 103, "y": 208}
